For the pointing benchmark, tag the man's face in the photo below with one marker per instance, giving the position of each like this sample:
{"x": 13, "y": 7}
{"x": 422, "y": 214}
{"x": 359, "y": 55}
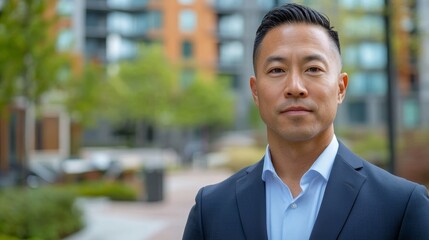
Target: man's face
{"x": 298, "y": 83}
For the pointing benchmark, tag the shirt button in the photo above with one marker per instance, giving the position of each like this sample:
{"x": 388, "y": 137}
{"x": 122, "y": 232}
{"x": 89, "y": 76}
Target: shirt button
{"x": 293, "y": 205}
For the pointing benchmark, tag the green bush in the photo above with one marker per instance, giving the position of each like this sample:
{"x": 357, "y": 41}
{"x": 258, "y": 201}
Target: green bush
{"x": 45, "y": 213}
{"x": 240, "y": 157}
{"x": 113, "y": 190}
{"x": 370, "y": 144}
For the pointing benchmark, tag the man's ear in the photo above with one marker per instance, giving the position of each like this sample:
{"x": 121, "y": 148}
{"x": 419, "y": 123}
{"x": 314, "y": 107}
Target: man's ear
{"x": 254, "y": 90}
{"x": 343, "y": 80}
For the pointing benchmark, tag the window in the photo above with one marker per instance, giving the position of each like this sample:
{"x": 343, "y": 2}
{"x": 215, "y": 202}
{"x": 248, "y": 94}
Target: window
{"x": 377, "y": 83}
{"x": 411, "y": 113}
{"x": 65, "y": 40}
{"x": 120, "y": 48}
{"x": 154, "y": 19}
{"x": 64, "y": 7}
{"x": 365, "y": 4}
{"x": 350, "y": 55}
{"x": 229, "y": 4}
{"x": 127, "y": 24}
{"x": 357, "y": 112}
{"x": 372, "y": 55}
{"x": 266, "y": 4}
{"x": 187, "y": 21}
{"x": 231, "y": 25}
{"x": 364, "y": 83}
{"x": 186, "y": 2}
{"x": 128, "y": 4}
{"x": 374, "y": 27}
{"x": 187, "y": 49}
{"x": 357, "y": 84}
{"x": 231, "y": 53}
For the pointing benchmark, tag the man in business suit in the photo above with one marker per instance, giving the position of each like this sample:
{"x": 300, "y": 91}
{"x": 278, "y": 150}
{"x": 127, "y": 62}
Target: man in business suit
{"x": 308, "y": 185}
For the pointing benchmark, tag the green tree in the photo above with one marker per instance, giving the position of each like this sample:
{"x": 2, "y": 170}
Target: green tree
{"x": 143, "y": 88}
{"x": 147, "y": 89}
{"x": 206, "y": 102}
{"x": 29, "y": 62}
{"x": 84, "y": 93}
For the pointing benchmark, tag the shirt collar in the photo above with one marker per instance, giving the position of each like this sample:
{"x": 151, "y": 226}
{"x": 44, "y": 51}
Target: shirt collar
{"x": 322, "y": 165}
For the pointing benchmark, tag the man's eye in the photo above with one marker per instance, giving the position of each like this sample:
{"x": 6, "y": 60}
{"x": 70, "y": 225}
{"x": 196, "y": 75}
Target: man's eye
{"x": 276, "y": 70}
{"x": 314, "y": 70}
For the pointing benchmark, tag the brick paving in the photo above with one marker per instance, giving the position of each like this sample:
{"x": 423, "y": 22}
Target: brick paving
{"x": 164, "y": 220}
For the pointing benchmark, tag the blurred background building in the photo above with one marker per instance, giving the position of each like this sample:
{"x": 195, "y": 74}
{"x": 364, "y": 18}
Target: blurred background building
{"x": 217, "y": 36}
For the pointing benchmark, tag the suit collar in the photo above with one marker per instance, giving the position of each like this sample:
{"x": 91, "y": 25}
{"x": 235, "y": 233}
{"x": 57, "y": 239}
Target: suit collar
{"x": 341, "y": 191}
{"x": 250, "y": 193}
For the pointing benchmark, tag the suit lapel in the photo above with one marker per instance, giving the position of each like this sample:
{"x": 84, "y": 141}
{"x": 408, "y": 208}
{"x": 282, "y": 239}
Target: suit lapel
{"x": 250, "y": 193}
{"x": 341, "y": 191}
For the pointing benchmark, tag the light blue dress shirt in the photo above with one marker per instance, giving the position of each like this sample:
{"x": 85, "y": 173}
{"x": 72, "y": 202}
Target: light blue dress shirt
{"x": 293, "y": 218}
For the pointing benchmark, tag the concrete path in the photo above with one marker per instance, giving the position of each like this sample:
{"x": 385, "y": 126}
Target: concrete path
{"x": 165, "y": 220}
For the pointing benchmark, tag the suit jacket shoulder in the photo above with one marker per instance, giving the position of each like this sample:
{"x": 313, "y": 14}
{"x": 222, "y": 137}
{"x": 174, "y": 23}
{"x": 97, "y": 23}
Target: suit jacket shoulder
{"x": 231, "y": 209}
{"x": 363, "y": 201}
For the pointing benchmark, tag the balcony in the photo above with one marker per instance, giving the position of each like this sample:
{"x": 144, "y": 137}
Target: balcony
{"x": 117, "y": 5}
{"x": 96, "y": 32}
{"x": 228, "y": 6}
{"x": 98, "y": 5}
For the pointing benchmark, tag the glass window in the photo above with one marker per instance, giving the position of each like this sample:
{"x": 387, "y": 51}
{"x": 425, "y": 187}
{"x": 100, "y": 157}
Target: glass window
{"x": 231, "y": 53}
{"x": 365, "y": 4}
{"x": 126, "y": 3}
{"x": 372, "y": 55}
{"x": 377, "y": 83}
{"x": 350, "y": 56}
{"x": 64, "y": 7}
{"x": 228, "y": 4}
{"x": 231, "y": 25}
{"x": 266, "y": 4}
{"x": 374, "y": 27}
{"x": 95, "y": 49}
{"x": 187, "y": 49}
{"x": 357, "y": 84}
{"x": 127, "y": 24}
{"x": 411, "y": 113}
{"x": 357, "y": 112}
{"x": 187, "y": 21}
{"x": 120, "y": 48}
{"x": 363, "y": 83}
{"x": 186, "y": 2}
{"x": 154, "y": 19}
{"x": 372, "y": 4}
{"x": 65, "y": 40}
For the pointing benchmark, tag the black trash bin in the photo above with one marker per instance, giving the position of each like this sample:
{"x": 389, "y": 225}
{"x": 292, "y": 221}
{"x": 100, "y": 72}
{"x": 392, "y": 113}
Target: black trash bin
{"x": 154, "y": 184}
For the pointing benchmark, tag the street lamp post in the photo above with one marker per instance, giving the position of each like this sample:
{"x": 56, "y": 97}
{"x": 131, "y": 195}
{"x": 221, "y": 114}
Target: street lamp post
{"x": 391, "y": 89}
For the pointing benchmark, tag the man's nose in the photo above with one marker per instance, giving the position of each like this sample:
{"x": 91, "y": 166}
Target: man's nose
{"x": 295, "y": 87}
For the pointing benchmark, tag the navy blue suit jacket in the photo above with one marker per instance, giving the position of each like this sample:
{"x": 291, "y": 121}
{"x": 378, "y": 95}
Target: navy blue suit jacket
{"x": 361, "y": 201}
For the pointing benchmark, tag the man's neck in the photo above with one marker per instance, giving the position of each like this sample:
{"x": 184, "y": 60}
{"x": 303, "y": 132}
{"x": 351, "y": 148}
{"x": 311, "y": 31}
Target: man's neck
{"x": 291, "y": 159}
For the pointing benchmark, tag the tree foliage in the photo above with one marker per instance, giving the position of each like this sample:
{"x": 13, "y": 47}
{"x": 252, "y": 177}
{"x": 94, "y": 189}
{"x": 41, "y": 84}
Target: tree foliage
{"x": 148, "y": 89}
{"x": 84, "y": 93}
{"x": 143, "y": 87}
{"x": 205, "y": 102}
{"x": 29, "y": 62}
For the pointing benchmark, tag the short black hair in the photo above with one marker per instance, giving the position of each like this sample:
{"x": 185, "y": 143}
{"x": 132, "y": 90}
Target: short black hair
{"x": 293, "y": 13}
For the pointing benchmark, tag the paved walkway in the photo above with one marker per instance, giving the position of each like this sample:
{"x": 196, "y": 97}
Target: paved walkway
{"x": 165, "y": 220}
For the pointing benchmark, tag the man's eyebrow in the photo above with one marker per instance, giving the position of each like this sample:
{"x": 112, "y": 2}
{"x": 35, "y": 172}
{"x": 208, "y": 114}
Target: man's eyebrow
{"x": 315, "y": 57}
{"x": 274, "y": 58}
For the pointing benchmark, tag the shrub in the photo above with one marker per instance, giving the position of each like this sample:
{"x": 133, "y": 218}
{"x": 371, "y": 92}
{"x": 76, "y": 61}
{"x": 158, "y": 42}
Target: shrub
{"x": 113, "y": 190}
{"x": 45, "y": 213}
{"x": 240, "y": 157}
{"x": 413, "y": 156}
